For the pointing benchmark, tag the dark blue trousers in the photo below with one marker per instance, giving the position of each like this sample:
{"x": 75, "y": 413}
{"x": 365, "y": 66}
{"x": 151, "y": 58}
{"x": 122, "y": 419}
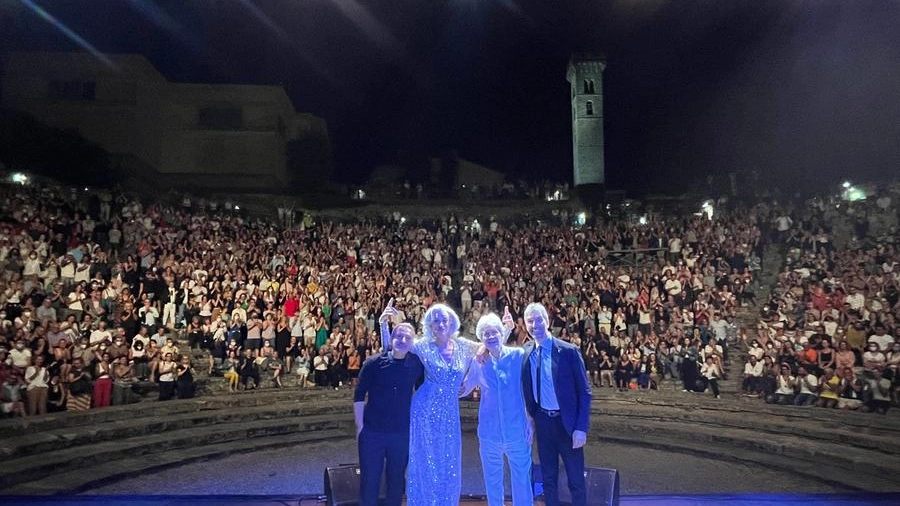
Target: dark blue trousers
{"x": 382, "y": 452}
{"x": 554, "y": 442}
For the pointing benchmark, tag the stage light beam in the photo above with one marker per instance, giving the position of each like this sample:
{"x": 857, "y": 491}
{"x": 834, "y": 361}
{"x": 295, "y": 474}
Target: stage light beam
{"x": 68, "y": 32}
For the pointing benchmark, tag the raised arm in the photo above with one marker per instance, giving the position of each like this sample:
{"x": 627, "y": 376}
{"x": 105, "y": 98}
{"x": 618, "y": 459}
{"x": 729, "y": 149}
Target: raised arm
{"x": 385, "y": 321}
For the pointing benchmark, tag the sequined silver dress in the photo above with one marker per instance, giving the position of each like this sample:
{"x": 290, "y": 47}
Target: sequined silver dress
{"x": 435, "y": 442}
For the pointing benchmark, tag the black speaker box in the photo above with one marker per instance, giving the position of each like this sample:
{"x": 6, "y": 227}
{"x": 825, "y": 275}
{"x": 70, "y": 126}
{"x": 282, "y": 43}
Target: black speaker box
{"x": 602, "y": 485}
{"x": 342, "y": 485}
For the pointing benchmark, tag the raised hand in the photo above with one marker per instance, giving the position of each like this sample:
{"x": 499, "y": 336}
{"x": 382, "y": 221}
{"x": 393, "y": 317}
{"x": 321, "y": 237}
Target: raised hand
{"x": 508, "y": 321}
{"x": 388, "y": 313}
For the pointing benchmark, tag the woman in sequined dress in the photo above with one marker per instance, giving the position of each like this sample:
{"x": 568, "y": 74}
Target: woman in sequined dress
{"x": 435, "y": 440}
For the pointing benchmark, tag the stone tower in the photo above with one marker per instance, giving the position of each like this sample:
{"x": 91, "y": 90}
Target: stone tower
{"x": 585, "y": 75}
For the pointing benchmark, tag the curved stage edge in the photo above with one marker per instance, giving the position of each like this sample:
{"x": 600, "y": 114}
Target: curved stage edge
{"x": 855, "y": 499}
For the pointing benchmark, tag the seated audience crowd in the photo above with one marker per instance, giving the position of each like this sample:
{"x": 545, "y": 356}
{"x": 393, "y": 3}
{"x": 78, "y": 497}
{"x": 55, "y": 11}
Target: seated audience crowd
{"x": 828, "y": 335}
{"x": 99, "y": 290}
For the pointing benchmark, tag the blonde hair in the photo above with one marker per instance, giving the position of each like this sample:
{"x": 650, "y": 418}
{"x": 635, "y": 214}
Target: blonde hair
{"x": 428, "y": 320}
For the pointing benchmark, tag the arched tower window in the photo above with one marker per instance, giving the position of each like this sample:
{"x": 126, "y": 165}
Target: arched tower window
{"x": 591, "y": 86}
{"x": 589, "y": 108}
{"x": 587, "y": 86}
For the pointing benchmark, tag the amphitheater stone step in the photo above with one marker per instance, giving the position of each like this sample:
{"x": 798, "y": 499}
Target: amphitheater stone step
{"x": 802, "y": 469}
{"x": 17, "y": 426}
{"x": 833, "y": 454}
{"x": 37, "y": 466}
{"x": 84, "y": 478}
{"x": 49, "y": 441}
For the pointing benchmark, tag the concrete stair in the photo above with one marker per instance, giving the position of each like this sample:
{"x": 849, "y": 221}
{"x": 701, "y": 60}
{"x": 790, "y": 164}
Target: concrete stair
{"x": 849, "y": 450}
{"x": 77, "y": 451}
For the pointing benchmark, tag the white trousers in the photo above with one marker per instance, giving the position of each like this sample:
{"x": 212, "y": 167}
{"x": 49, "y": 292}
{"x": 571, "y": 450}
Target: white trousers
{"x": 518, "y": 455}
{"x": 169, "y": 313}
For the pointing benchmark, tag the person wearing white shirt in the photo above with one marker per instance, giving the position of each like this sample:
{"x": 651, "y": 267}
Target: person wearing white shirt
{"x": 712, "y": 371}
{"x": 855, "y": 299}
{"x": 148, "y": 315}
{"x": 784, "y": 387}
{"x": 753, "y": 372}
{"x": 32, "y": 266}
{"x": 881, "y": 338}
{"x": 101, "y": 334}
{"x": 38, "y": 380}
{"x": 809, "y": 385}
{"x": 20, "y": 356}
{"x": 673, "y": 285}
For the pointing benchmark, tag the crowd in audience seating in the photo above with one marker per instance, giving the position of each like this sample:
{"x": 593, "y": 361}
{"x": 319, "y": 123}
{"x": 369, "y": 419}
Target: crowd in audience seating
{"x": 521, "y": 190}
{"x": 99, "y": 288}
{"x": 828, "y": 336}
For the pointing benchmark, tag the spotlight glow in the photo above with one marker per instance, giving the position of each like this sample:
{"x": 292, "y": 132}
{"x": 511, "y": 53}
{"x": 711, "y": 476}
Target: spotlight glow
{"x": 74, "y": 37}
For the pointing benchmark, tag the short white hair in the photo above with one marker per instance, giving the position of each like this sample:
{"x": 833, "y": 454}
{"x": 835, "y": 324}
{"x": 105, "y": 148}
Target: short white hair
{"x": 486, "y": 321}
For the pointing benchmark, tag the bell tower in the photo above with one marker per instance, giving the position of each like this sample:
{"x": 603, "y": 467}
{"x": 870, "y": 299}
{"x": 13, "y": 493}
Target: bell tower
{"x": 585, "y": 76}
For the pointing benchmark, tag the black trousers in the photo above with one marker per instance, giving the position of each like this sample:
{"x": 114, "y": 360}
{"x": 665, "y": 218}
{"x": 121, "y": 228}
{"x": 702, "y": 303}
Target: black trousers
{"x": 166, "y": 390}
{"x": 554, "y": 442}
{"x": 382, "y": 452}
{"x": 247, "y": 376}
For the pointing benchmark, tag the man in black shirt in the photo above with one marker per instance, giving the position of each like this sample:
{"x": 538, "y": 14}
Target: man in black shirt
{"x": 381, "y": 409}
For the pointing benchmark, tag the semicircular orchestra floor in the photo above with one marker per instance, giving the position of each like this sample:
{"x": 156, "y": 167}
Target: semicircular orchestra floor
{"x": 299, "y": 470}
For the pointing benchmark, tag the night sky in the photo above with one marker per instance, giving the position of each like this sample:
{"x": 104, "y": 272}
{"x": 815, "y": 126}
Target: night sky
{"x": 801, "y": 91}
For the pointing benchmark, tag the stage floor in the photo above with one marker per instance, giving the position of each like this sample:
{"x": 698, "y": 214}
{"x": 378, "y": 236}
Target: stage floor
{"x": 861, "y": 499}
{"x": 298, "y": 471}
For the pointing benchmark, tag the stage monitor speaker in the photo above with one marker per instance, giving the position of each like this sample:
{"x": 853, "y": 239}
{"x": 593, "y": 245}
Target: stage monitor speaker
{"x": 342, "y": 485}
{"x": 602, "y": 485}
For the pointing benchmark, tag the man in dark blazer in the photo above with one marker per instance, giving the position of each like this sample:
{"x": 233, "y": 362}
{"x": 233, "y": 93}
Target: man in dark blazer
{"x": 558, "y": 397}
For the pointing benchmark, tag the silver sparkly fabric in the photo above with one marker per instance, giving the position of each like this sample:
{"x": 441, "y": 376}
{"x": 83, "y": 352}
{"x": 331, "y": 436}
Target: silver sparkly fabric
{"x": 435, "y": 442}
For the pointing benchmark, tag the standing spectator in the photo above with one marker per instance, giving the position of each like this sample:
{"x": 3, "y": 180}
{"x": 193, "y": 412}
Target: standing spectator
{"x": 79, "y": 384}
{"x": 254, "y": 333}
{"x": 123, "y": 379}
{"x": 185, "y": 378}
{"x": 881, "y": 393}
{"x": 167, "y": 372}
{"x": 102, "y": 381}
{"x": 37, "y": 380}
{"x": 148, "y": 315}
{"x": 169, "y": 299}
{"x": 321, "y": 365}
{"x": 56, "y": 396}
